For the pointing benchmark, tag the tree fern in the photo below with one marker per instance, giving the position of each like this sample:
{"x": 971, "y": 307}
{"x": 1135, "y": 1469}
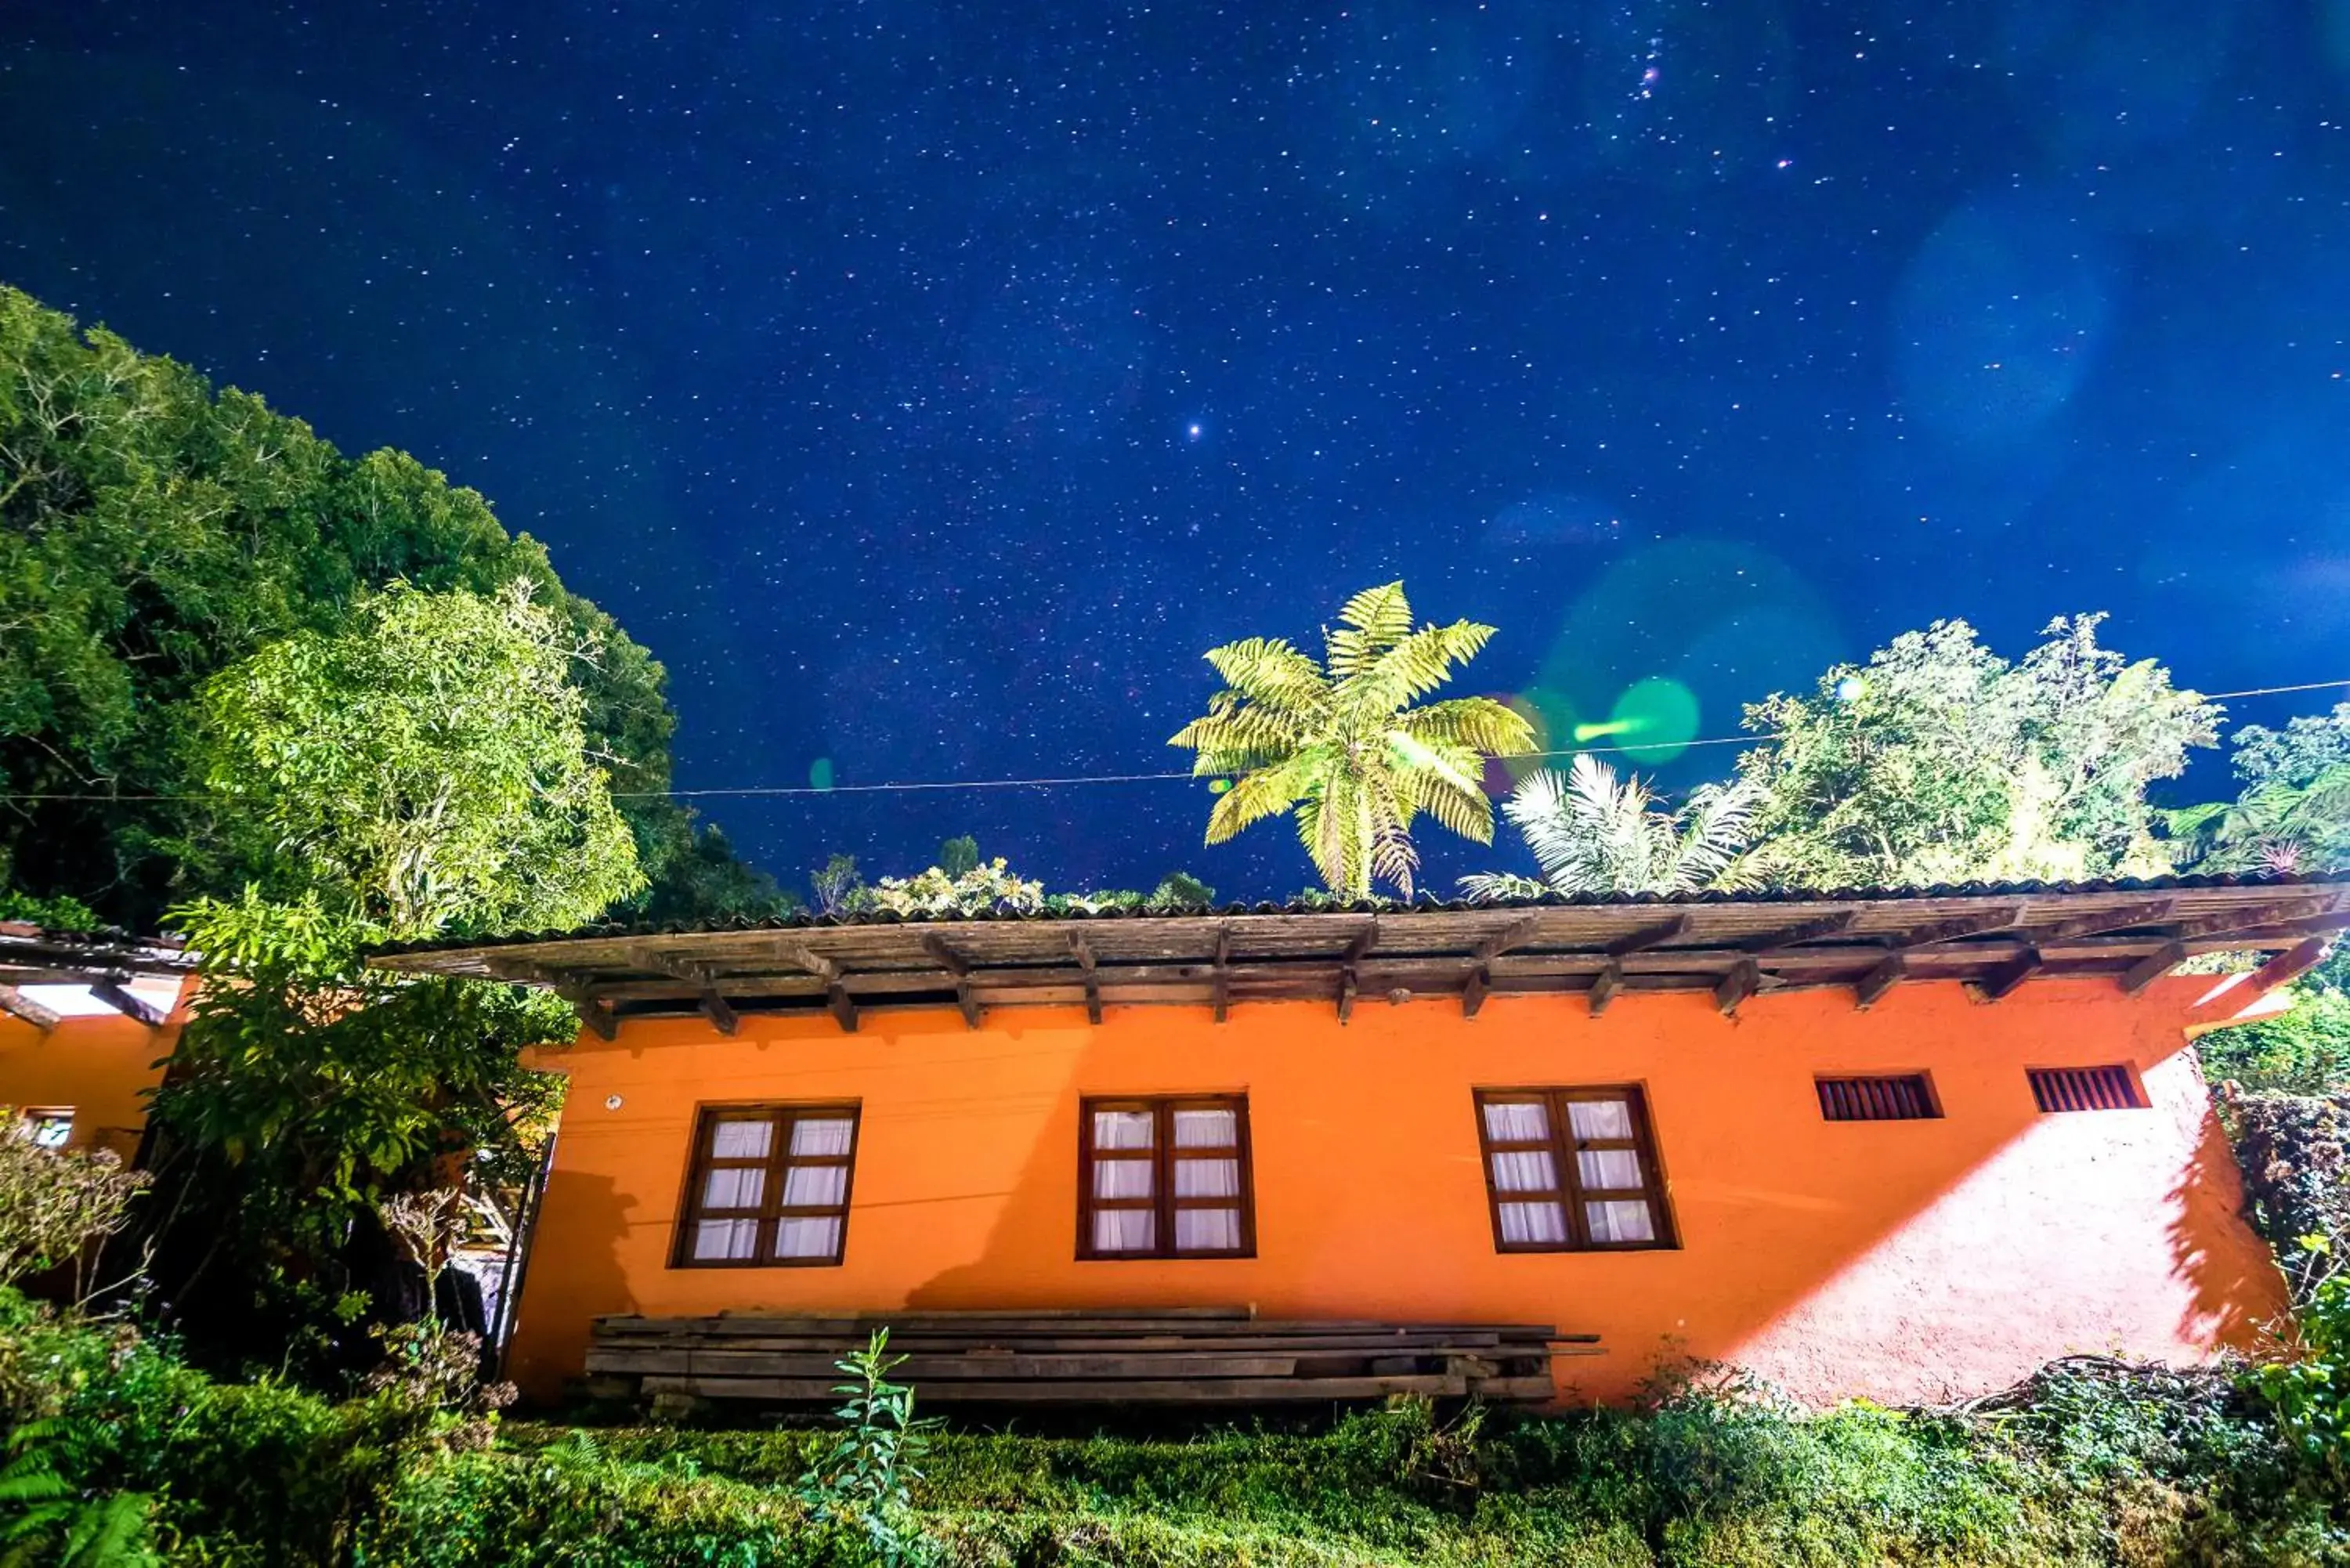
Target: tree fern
{"x": 45, "y": 1520}
{"x": 1342, "y": 746}
{"x": 1593, "y": 832}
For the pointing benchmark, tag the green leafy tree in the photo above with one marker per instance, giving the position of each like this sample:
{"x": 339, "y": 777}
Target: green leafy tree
{"x": 307, "y": 1090}
{"x": 987, "y": 886}
{"x": 836, "y": 885}
{"x": 959, "y": 855}
{"x": 1937, "y": 762}
{"x": 1594, "y": 832}
{"x": 430, "y": 765}
{"x": 2293, "y": 813}
{"x": 154, "y": 531}
{"x": 1346, "y": 746}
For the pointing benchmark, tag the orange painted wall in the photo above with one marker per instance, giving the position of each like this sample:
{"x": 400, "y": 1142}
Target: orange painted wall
{"x": 1900, "y": 1260}
{"x": 100, "y": 1065}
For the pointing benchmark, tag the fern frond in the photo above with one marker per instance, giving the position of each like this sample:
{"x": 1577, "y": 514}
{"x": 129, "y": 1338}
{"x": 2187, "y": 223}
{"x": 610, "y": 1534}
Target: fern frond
{"x": 1495, "y": 886}
{"x": 1271, "y": 670}
{"x": 1473, "y": 723}
{"x": 1382, "y": 614}
{"x": 1267, "y": 792}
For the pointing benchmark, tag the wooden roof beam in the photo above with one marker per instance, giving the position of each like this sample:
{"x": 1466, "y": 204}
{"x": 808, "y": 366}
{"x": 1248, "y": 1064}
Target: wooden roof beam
{"x": 955, "y": 964}
{"x": 593, "y": 1010}
{"x": 2172, "y": 953}
{"x": 1221, "y": 979}
{"x": 2121, "y": 919}
{"x": 2289, "y": 965}
{"x": 1481, "y": 962}
{"x": 1744, "y": 978}
{"x": 17, "y": 1004}
{"x": 836, "y": 999}
{"x": 1951, "y": 931}
{"x": 1349, "y": 978}
{"x": 1999, "y": 982}
{"x": 1605, "y": 985}
{"x": 115, "y": 991}
{"x": 1767, "y": 942}
{"x": 714, "y": 1005}
{"x": 1879, "y": 979}
{"x": 1083, "y": 951}
{"x": 1648, "y": 936}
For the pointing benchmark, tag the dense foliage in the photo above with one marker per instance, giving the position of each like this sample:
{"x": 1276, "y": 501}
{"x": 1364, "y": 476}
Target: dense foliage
{"x": 1347, "y": 746}
{"x": 1937, "y": 762}
{"x": 429, "y": 766}
{"x": 153, "y": 533}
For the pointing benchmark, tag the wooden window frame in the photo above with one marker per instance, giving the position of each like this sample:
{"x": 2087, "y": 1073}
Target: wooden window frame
{"x": 777, "y": 1163}
{"x": 1562, "y": 1147}
{"x": 2133, "y": 1088}
{"x": 1928, "y": 1097}
{"x": 1162, "y": 1155}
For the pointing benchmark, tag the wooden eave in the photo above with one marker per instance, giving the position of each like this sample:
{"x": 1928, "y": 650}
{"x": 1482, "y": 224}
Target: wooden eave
{"x": 104, "y": 963}
{"x": 1733, "y": 948}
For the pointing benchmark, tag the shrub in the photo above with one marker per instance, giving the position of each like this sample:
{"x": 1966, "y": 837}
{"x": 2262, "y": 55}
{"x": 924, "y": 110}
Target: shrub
{"x": 54, "y": 1204}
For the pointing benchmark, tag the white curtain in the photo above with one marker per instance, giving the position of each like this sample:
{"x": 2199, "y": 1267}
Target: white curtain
{"x": 1619, "y": 1220}
{"x": 815, "y": 1186}
{"x": 1599, "y": 1119}
{"x": 743, "y": 1140}
{"x": 1207, "y": 1230}
{"x": 1525, "y": 1224}
{"x": 1525, "y": 1170}
{"x": 722, "y": 1239}
{"x": 734, "y": 1188}
{"x": 1124, "y": 1129}
{"x": 1206, "y": 1129}
{"x": 1516, "y": 1121}
{"x": 808, "y": 1237}
{"x": 1125, "y": 1230}
{"x": 826, "y": 1140}
{"x": 1207, "y": 1179}
{"x": 1609, "y": 1169}
{"x": 1121, "y": 1179}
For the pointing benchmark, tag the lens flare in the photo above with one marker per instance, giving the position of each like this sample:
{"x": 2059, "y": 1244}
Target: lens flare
{"x": 1656, "y": 719}
{"x": 820, "y": 774}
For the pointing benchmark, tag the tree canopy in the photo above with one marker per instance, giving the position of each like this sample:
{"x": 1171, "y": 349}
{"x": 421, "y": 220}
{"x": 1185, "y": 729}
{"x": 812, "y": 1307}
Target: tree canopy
{"x": 154, "y": 533}
{"x": 1594, "y": 832}
{"x": 1347, "y": 745}
{"x": 1939, "y": 761}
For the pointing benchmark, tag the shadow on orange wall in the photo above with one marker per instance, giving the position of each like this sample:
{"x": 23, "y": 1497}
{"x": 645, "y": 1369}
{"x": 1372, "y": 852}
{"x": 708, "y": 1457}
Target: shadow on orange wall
{"x": 1874, "y": 1257}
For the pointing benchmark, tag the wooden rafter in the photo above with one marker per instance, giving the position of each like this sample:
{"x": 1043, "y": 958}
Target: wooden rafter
{"x": 701, "y": 976}
{"x": 1350, "y": 980}
{"x": 2289, "y": 965}
{"x": 1084, "y": 952}
{"x": 955, "y": 964}
{"x": 1785, "y": 936}
{"x": 593, "y": 1010}
{"x": 1951, "y": 931}
{"x": 115, "y": 991}
{"x": 1879, "y": 979}
{"x": 1604, "y": 988}
{"x": 1647, "y": 937}
{"x": 2004, "y": 978}
{"x": 16, "y": 1003}
{"x": 1220, "y": 992}
{"x": 1744, "y": 978}
{"x": 1481, "y": 962}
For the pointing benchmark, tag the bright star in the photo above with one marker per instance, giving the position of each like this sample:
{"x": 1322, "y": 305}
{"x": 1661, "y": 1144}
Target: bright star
{"x": 1195, "y": 432}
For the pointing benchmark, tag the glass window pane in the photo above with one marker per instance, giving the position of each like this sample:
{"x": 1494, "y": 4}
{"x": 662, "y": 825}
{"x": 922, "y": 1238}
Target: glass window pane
{"x": 1526, "y": 1170}
{"x": 743, "y": 1140}
{"x": 1125, "y": 1230}
{"x": 818, "y": 1139}
{"x": 808, "y": 1237}
{"x": 815, "y": 1186}
{"x": 49, "y": 1129}
{"x": 734, "y": 1190}
{"x": 1600, "y": 1118}
{"x": 1517, "y": 1121}
{"x": 1206, "y": 1129}
{"x": 1527, "y": 1223}
{"x": 1605, "y": 1169}
{"x": 1121, "y": 1179}
{"x": 1619, "y": 1220}
{"x": 723, "y": 1238}
{"x": 1207, "y": 1230}
{"x": 1124, "y": 1129}
{"x": 1207, "y": 1179}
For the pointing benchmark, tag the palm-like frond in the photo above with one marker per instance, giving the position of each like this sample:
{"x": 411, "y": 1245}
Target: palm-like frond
{"x": 1341, "y": 745}
{"x": 1594, "y": 832}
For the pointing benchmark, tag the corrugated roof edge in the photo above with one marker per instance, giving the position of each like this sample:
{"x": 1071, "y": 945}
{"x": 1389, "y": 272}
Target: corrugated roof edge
{"x": 804, "y": 921}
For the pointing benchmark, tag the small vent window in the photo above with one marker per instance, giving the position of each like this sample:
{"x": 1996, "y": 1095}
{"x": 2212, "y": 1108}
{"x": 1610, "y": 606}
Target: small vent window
{"x": 2084, "y": 1089}
{"x": 1905, "y": 1098}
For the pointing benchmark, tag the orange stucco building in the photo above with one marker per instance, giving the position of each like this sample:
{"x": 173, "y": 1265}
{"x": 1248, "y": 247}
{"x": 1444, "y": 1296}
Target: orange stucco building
{"x": 1919, "y": 1198}
{"x": 85, "y": 1025}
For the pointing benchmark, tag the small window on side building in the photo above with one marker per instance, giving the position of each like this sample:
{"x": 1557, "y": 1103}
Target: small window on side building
{"x": 1885, "y": 1097}
{"x": 2109, "y": 1088}
{"x": 1165, "y": 1176}
{"x": 47, "y": 1126}
{"x": 1572, "y": 1170}
{"x": 768, "y": 1188}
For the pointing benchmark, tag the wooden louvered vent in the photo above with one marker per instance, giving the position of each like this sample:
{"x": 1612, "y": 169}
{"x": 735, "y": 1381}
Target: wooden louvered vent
{"x": 1903, "y": 1098}
{"x": 2084, "y": 1089}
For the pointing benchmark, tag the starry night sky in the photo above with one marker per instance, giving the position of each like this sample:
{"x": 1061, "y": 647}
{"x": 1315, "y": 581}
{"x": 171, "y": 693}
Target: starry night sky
{"x": 928, "y": 384}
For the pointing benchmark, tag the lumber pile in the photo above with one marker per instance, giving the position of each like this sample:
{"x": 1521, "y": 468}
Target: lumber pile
{"x": 1187, "y": 1356}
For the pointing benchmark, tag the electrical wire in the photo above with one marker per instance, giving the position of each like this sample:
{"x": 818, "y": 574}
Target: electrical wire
{"x": 1064, "y": 781}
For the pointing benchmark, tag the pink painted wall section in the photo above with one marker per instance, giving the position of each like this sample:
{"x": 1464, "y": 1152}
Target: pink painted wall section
{"x": 1899, "y": 1260}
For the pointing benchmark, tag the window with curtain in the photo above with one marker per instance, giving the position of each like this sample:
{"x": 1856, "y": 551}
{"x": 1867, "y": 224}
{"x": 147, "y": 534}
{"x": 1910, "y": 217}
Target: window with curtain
{"x": 768, "y": 1187}
{"x": 1165, "y": 1178}
{"x": 1569, "y": 1169}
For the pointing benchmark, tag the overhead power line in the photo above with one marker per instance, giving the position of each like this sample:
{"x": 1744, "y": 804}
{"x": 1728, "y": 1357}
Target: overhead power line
{"x": 1066, "y": 780}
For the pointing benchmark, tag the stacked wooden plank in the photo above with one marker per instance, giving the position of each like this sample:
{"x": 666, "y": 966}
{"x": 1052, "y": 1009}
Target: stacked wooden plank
{"x": 1214, "y": 1356}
